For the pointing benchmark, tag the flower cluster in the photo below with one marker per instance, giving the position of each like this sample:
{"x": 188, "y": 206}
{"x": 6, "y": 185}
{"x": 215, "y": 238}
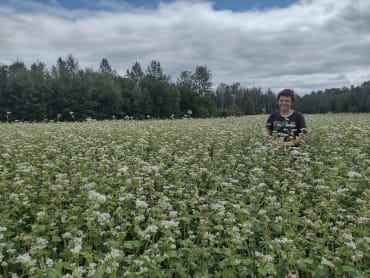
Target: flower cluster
{"x": 184, "y": 198}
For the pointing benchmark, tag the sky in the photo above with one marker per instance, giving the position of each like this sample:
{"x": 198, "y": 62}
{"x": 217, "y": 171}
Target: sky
{"x": 306, "y": 45}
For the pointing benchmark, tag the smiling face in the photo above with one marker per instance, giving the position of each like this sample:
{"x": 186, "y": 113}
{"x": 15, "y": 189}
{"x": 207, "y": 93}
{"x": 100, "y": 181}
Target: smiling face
{"x": 285, "y": 104}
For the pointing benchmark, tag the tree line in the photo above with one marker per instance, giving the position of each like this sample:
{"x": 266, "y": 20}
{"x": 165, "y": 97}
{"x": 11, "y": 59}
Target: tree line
{"x": 68, "y": 93}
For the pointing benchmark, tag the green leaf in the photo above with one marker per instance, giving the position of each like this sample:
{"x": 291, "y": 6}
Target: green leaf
{"x": 351, "y": 271}
{"x": 130, "y": 245}
{"x": 99, "y": 273}
{"x": 87, "y": 256}
{"x": 55, "y": 238}
{"x": 52, "y": 273}
{"x": 282, "y": 268}
{"x": 247, "y": 262}
{"x": 73, "y": 218}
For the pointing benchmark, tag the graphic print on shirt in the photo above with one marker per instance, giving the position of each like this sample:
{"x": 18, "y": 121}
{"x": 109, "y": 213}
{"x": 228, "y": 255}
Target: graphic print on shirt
{"x": 286, "y": 129}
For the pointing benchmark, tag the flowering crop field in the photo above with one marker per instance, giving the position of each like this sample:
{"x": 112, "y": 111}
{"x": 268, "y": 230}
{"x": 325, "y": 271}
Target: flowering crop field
{"x": 184, "y": 198}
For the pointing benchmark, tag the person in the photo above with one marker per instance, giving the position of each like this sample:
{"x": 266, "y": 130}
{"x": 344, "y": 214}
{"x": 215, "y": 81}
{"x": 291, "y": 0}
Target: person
{"x": 287, "y": 124}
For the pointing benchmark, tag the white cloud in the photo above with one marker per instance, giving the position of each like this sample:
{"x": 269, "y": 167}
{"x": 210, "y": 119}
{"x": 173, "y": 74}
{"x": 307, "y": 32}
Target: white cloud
{"x": 308, "y": 46}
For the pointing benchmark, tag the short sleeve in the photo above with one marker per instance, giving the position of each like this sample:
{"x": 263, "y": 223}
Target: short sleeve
{"x": 302, "y": 124}
{"x": 269, "y": 123}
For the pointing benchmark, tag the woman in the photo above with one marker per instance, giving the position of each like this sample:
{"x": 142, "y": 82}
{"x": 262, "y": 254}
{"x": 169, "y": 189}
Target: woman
{"x": 287, "y": 123}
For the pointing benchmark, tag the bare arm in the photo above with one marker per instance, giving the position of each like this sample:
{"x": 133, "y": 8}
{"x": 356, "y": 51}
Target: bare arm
{"x": 296, "y": 142}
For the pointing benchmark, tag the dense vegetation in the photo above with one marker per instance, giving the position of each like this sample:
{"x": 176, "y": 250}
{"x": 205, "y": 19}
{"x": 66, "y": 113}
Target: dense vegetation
{"x": 184, "y": 198}
{"x": 66, "y": 92}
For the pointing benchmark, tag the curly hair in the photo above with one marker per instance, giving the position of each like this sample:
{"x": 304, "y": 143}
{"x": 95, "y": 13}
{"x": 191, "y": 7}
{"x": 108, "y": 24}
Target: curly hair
{"x": 287, "y": 93}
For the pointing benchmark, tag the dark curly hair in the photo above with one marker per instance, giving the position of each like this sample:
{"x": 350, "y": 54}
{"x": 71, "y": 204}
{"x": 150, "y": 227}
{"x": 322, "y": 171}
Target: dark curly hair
{"x": 287, "y": 93}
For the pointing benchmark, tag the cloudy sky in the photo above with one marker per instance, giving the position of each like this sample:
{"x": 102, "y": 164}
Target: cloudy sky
{"x": 306, "y": 45}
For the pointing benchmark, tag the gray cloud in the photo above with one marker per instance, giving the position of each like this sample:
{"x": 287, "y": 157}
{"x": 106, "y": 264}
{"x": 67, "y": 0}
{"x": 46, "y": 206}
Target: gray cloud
{"x": 308, "y": 46}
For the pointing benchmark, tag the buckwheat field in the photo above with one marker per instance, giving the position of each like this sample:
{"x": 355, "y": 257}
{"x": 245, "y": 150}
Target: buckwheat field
{"x": 184, "y": 198}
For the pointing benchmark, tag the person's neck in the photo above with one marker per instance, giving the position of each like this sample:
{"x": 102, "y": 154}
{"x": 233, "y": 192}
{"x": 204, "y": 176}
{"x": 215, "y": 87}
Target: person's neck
{"x": 286, "y": 113}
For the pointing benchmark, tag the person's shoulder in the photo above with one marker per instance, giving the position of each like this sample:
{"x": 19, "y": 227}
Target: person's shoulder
{"x": 273, "y": 115}
{"x": 298, "y": 114}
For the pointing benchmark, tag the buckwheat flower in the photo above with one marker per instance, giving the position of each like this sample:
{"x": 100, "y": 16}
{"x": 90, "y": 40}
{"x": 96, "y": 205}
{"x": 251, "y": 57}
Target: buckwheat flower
{"x": 78, "y": 272}
{"x": 168, "y": 224}
{"x": 351, "y": 245}
{"x": 40, "y": 244}
{"x": 3, "y": 229}
{"x": 326, "y": 262}
{"x": 151, "y": 229}
{"x": 278, "y": 219}
{"x": 268, "y": 258}
{"x": 49, "y": 262}
{"x": 122, "y": 169}
{"x": 139, "y": 218}
{"x": 26, "y": 260}
{"x": 96, "y": 197}
{"x": 141, "y": 204}
{"x": 67, "y": 235}
{"x": 173, "y": 214}
{"x": 40, "y": 215}
{"x": 103, "y": 218}
{"x": 11, "y": 251}
{"x": 6, "y": 155}
{"x": 63, "y": 218}
{"x": 78, "y": 245}
{"x": 359, "y": 254}
{"x": 363, "y": 220}
{"x": 347, "y": 236}
{"x": 91, "y": 270}
{"x": 353, "y": 174}
{"x": 113, "y": 254}
{"x": 127, "y": 273}
{"x": 282, "y": 240}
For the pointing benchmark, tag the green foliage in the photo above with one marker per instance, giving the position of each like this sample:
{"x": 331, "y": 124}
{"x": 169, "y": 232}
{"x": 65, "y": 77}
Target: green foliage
{"x": 68, "y": 93}
{"x": 184, "y": 198}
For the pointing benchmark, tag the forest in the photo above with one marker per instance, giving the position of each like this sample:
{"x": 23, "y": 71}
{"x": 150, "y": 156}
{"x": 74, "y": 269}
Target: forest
{"x": 66, "y": 92}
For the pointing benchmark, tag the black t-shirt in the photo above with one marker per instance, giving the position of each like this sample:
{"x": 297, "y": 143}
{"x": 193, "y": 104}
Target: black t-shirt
{"x": 287, "y": 127}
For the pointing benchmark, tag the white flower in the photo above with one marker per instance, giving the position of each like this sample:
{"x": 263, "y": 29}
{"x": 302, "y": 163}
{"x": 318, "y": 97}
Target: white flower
{"x": 26, "y": 259}
{"x": 151, "y": 229}
{"x": 96, "y": 197}
{"x": 278, "y": 219}
{"x": 40, "y": 215}
{"x": 283, "y": 240}
{"x": 351, "y": 245}
{"x": 141, "y": 204}
{"x": 173, "y": 214}
{"x": 139, "y": 218}
{"x": 324, "y": 261}
{"x": 41, "y": 243}
{"x": 67, "y": 235}
{"x": 49, "y": 262}
{"x": 353, "y": 174}
{"x": 347, "y": 236}
{"x": 168, "y": 224}
{"x": 78, "y": 245}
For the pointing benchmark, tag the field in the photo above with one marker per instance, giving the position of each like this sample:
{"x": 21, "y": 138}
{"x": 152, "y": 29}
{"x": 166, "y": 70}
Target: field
{"x": 184, "y": 198}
